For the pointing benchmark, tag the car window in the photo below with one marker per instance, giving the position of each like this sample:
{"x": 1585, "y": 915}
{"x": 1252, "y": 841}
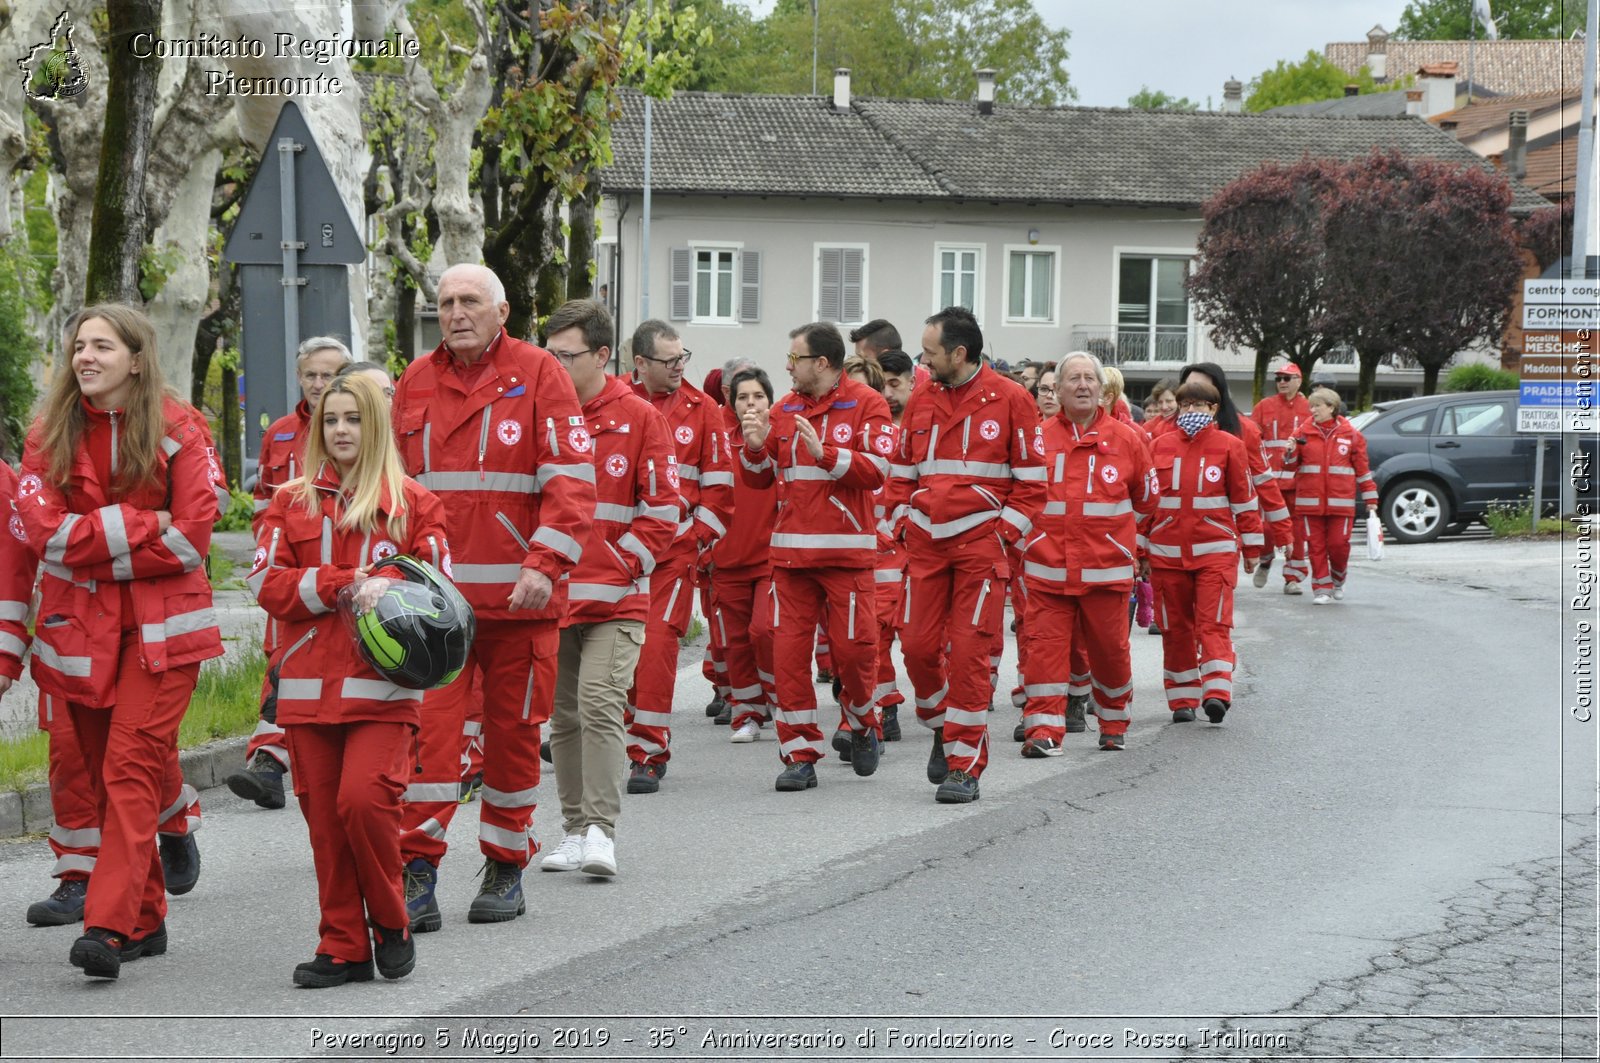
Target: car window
{"x": 1415, "y": 425}
{"x": 1475, "y": 419}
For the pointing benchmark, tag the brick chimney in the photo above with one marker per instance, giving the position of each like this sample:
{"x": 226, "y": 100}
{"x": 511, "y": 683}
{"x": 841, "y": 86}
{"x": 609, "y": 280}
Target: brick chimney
{"x": 1516, "y": 154}
{"x": 1414, "y": 102}
{"x": 1352, "y": 89}
{"x": 841, "y": 90}
{"x": 1232, "y": 96}
{"x": 1378, "y": 53}
{"x": 985, "y": 91}
{"x": 1439, "y": 88}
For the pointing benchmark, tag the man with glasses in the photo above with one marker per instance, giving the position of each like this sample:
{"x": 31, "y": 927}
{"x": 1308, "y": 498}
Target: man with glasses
{"x": 704, "y": 477}
{"x": 828, "y": 443}
{"x": 280, "y": 459}
{"x": 1276, "y": 415}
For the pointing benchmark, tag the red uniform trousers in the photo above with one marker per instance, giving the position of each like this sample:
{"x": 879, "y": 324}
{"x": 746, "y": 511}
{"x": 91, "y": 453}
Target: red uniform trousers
{"x": 824, "y": 650}
{"x": 472, "y": 730}
{"x": 349, "y": 778}
{"x": 649, "y": 712}
{"x": 75, "y": 808}
{"x": 516, "y": 660}
{"x": 890, "y": 598}
{"x": 714, "y": 665}
{"x": 1019, "y": 621}
{"x": 800, "y": 599}
{"x": 742, "y": 611}
{"x": 1197, "y": 632}
{"x": 1298, "y": 568}
{"x": 1327, "y": 538}
{"x": 955, "y": 602}
{"x": 267, "y": 735}
{"x": 1063, "y": 627}
{"x": 127, "y": 749}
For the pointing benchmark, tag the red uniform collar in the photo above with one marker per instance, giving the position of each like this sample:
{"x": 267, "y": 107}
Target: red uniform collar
{"x": 615, "y": 388}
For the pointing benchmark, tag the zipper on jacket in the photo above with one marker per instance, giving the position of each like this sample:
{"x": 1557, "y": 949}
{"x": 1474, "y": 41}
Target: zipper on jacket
{"x": 983, "y": 596}
{"x": 988, "y": 496}
{"x": 1229, "y": 532}
{"x": 113, "y": 444}
{"x": 1088, "y": 485}
{"x": 850, "y": 624}
{"x": 550, "y": 426}
{"x": 847, "y": 514}
{"x": 1119, "y": 546}
{"x": 483, "y": 440}
{"x": 301, "y": 641}
{"x": 512, "y": 528}
{"x": 1200, "y": 477}
{"x": 651, "y": 464}
{"x": 966, "y": 436}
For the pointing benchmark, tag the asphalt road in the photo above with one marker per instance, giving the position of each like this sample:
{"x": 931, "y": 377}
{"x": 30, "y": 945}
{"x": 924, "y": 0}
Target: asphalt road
{"x": 1387, "y": 850}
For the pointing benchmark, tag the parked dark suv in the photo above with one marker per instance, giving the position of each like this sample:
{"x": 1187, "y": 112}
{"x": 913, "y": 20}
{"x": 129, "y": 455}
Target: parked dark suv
{"x": 1440, "y": 460}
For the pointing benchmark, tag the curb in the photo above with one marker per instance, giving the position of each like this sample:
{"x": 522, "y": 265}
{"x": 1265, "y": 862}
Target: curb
{"x": 204, "y": 767}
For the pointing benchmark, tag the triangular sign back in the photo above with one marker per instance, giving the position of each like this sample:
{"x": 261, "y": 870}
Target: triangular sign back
{"x": 321, "y": 221}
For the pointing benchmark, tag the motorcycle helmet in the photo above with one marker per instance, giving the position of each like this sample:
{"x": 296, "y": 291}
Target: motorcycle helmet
{"x": 418, "y": 632}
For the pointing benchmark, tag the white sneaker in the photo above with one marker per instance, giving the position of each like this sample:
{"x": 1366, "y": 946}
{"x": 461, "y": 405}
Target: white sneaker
{"x": 568, "y": 856}
{"x": 599, "y": 854}
{"x": 1263, "y": 570}
{"x": 1321, "y": 599}
{"x": 1338, "y": 592}
{"x": 749, "y": 731}
{"x": 1293, "y": 587}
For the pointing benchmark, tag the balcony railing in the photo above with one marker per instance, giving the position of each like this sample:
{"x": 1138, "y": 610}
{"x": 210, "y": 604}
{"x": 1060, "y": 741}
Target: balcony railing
{"x": 1125, "y": 346}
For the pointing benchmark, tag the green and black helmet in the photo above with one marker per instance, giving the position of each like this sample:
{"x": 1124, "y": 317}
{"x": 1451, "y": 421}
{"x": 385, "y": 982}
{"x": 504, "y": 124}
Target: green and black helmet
{"x": 418, "y": 632}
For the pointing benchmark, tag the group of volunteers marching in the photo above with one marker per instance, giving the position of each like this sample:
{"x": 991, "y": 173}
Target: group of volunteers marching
{"x": 577, "y": 512}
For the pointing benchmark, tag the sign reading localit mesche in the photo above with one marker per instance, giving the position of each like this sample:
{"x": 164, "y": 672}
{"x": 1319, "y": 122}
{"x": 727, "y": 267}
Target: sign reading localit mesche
{"x": 1558, "y": 381}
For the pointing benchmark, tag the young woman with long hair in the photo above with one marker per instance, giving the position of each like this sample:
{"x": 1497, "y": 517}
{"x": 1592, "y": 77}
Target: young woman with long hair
{"x": 119, "y": 491}
{"x": 349, "y": 729}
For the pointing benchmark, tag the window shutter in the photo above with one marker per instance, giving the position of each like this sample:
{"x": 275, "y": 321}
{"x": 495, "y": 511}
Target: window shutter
{"x": 850, "y": 288}
{"x": 682, "y": 282}
{"x": 830, "y": 269}
{"x": 750, "y": 286}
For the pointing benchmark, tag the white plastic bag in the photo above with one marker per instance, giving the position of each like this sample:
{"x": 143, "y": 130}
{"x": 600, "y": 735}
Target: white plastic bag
{"x": 1374, "y": 537}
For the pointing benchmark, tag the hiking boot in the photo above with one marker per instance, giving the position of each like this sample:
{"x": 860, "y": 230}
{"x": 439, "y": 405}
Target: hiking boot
{"x": 1215, "y": 708}
{"x": 180, "y": 862}
{"x": 824, "y": 676}
{"x": 470, "y": 787}
{"x": 500, "y": 898}
{"x": 843, "y": 744}
{"x": 1263, "y": 569}
{"x": 393, "y": 951}
{"x": 715, "y": 706}
{"x": 891, "y": 723}
{"x": 958, "y": 788}
{"x": 838, "y": 690}
{"x": 749, "y": 731}
{"x": 420, "y": 878}
{"x": 1183, "y": 716}
{"x": 325, "y": 972}
{"x": 568, "y": 856}
{"x": 644, "y": 778}
{"x": 63, "y": 906}
{"x": 801, "y": 775}
{"x": 1038, "y": 748}
{"x": 261, "y": 781}
{"x": 1154, "y": 629}
{"x": 98, "y": 952}
{"x": 544, "y": 752}
{"x": 599, "y": 854}
{"x": 938, "y": 767}
{"x": 151, "y": 944}
{"x": 725, "y": 717}
{"x": 1019, "y": 733}
{"x": 1112, "y": 743}
{"x": 1077, "y": 713}
{"x": 864, "y": 749}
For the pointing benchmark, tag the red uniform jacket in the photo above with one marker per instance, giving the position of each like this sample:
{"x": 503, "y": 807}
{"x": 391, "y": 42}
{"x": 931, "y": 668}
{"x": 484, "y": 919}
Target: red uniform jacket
{"x": 747, "y": 548}
{"x": 1101, "y": 487}
{"x": 18, "y": 567}
{"x": 1208, "y": 504}
{"x": 92, "y": 544}
{"x": 1276, "y": 419}
{"x": 969, "y": 462}
{"x": 825, "y": 504}
{"x": 1329, "y": 467}
{"x": 636, "y": 512}
{"x": 302, "y": 562}
{"x": 282, "y": 456}
{"x": 507, "y": 450}
{"x": 705, "y": 467}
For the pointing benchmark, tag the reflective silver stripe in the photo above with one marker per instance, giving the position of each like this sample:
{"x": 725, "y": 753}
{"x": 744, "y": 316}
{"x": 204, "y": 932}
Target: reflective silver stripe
{"x": 691, "y": 473}
{"x": 1347, "y": 470}
{"x": 510, "y": 482}
{"x": 766, "y": 462}
{"x": 645, "y": 718}
{"x": 560, "y": 542}
{"x": 1033, "y": 568}
{"x": 1216, "y": 665}
{"x": 1311, "y": 468}
{"x": 599, "y": 592}
{"x": 1170, "y": 502}
{"x": 1343, "y": 503}
{"x": 881, "y": 464}
{"x": 77, "y": 667}
{"x": 265, "y": 728}
{"x": 905, "y": 472}
{"x": 1254, "y": 539}
{"x": 1272, "y": 516}
{"x": 806, "y": 472}
{"x": 81, "y": 838}
{"x": 300, "y": 689}
{"x": 255, "y": 581}
{"x": 1243, "y": 507}
{"x": 1306, "y": 500}
{"x": 116, "y": 533}
{"x": 1210, "y": 502}
{"x": 1266, "y": 476}
{"x": 749, "y": 693}
{"x": 952, "y": 527}
{"x": 186, "y": 797}
{"x": 170, "y": 446}
{"x": 630, "y": 542}
{"x": 17, "y": 611}
{"x": 969, "y": 717}
{"x": 672, "y": 599}
{"x": 955, "y": 467}
{"x": 56, "y": 549}
{"x": 1055, "y": 509}
{"x": 12, "y": 645}
{"x": 1226, "y": 546}
{"x": 471, "y": 728}
{"x": 1274, "y": 442}
{"x": 308, "y": 592}
{"x": 807, "y": 541}
{"x": 717, "y": 479}
{"x": 377, "y": 690}
{"x": 613, "y": 512}
{"x": 181, "y": 548}
{"x": 1016, "y": 520}
{"x": 1188, "y": 675}
{"x": 486, "y": 573}
{"x": 419, "y": 792}
{"x": 180, "y": 624}
{"x": 1110, "y": 714}
{"x": 548, "y": 472}
{"x": 510, "y": 798}
{"x": 1155, "y": 550}
{"x": 657, "y": 512}
{"x": 1107, "y": 575}
{"x": 709, "y": 519}
{"x": 327, "y": 540}
{"x": 840, "y": 464}
{"x": 1030, "y": 473}
{"x": 1044, "y": 690}
{"x": 1108, "y": 509}
{"x": 887, "y": 575}
{"x": 1112, "y": 692}
{"x": 512, "y": 840}
{"x": 933, "y": 702}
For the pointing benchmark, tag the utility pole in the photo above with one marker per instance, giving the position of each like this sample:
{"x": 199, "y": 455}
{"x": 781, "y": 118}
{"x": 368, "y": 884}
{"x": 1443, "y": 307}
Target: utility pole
{"x": 816, "y": 7}
{"x": 644, "y": 222}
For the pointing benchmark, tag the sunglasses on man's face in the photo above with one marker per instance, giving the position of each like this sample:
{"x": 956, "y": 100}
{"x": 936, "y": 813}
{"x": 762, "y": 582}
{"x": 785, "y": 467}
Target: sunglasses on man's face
{"x": 1280, "y": 378}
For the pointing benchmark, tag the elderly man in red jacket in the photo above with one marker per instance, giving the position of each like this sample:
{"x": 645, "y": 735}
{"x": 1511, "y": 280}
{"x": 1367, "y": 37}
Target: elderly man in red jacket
{"x": 492, "y": 426}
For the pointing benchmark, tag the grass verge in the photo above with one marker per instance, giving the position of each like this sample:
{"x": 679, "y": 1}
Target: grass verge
{"x": 227, "y": 700}
{"x": 1515, "y": 519}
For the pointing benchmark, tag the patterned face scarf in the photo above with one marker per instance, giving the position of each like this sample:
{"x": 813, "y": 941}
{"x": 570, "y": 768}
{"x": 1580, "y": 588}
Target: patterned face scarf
{"x": 1191, "y": 421}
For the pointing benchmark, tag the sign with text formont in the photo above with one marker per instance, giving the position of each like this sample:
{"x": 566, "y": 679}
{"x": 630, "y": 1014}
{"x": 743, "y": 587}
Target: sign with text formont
{"x": 1560, "y": 304}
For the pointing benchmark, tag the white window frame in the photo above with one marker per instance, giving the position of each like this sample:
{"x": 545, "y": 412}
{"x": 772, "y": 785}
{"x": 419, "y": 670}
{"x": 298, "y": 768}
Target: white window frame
{"x": 817, "y": 248}
{"x": 977, "y": 281}
{"x": 1117, "y": 254}
{"x": 1055, "y": 285}
{"x": 697, "y": 246}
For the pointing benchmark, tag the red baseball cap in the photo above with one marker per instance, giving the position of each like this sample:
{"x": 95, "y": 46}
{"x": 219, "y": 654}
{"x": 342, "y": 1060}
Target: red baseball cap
{"x": 1290, "y": 370}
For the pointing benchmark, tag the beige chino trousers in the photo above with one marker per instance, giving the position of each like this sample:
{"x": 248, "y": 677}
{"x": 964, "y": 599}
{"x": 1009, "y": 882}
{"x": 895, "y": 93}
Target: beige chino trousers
{"x": 588, "y": 740}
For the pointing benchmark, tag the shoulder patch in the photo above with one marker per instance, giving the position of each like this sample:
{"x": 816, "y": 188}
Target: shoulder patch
{"x": 282, "y": 437}
{"x": 847, "y": 405}
{"x": 792, "y": 407}
{"x": 575, "y": 420}
{"x": 520, "y": 389}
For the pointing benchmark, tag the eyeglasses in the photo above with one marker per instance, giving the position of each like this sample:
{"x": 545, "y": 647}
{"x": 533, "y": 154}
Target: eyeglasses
{"x": 1195, "y": 404}
{"x": 672, "y": 363}
{"x": 1281, "y": 377}
{"x": 795, "y": 359}
{"x": 567, "y": 357}
{"x": 318, "y": 378}
{"x": 1045, "y": 390}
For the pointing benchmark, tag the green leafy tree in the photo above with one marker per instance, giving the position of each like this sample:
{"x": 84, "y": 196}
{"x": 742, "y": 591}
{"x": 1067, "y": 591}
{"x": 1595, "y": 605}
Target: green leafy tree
{"x": 1451, "y": 20}
{"x": 19, "y": 347}
{"x": 1311, "y": 79}
{"x": 1147, "y": 99}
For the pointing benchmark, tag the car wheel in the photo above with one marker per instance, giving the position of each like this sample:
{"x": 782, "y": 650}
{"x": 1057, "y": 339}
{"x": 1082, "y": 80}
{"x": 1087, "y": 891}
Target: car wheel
{"x": 1416, "y": 511}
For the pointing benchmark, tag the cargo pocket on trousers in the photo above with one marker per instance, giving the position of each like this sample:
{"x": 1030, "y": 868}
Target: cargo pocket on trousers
{"x": 625, "y": 654}
{"x": 540, "y": 698}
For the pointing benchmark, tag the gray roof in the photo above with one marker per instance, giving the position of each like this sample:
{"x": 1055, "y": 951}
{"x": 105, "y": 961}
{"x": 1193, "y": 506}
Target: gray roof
{"x": 1509, "y": 67}
{"x": 767, "y": 145}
